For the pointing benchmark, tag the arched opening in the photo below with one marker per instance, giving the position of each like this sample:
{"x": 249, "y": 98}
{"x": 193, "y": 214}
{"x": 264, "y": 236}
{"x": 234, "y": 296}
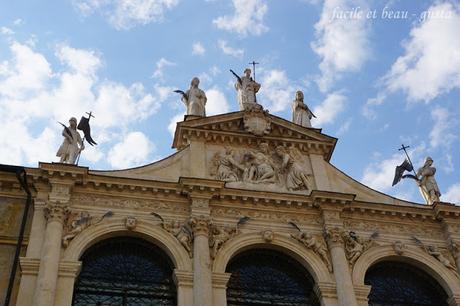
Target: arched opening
{"x": 124, "y": 271}
{"x": 268, "y": 277}
{"x": 400, "y": 284}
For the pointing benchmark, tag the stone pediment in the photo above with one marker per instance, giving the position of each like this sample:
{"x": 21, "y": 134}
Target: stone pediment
{"x": 252, "y": 128}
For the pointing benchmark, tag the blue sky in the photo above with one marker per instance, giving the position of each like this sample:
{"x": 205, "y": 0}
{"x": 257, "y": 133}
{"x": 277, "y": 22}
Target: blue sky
{"x": 376, "y": 74}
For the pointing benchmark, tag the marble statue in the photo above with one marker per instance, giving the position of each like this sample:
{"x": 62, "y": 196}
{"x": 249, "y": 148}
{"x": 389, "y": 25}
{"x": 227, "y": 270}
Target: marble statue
{"x": 219, "y": 235}
{"x": 75, "y": 224}
{"x": 72, "y": 144}
{"x": 247, "y": 88}
{"x": 317, "y": 245}
{"x": 227, "y": 167}
{"x": 181, "y": 232}
{"x": 434, "y": 251}
{"x": 427, "y": 183}
{"x": 195, "y": 99}
{"x": 355, "y": 246}
{"x": 301, "y": 114}
{"x": 261, "y": 169}
{"x": 296, "y": 177}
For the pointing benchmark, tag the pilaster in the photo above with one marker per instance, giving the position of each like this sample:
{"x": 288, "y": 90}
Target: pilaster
{"x": 68, "y": 271}
{"x": 219, "y": 285}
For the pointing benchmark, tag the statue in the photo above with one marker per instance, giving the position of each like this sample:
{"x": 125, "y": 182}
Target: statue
{"x": 301, "y": 114}
{"x": 247, "y": 88}
{"x": 296, "y": 176}
{"x": 427, "y": 183}
{"x": 182, "y": 233}
{"x": 226, "y": 166}
{"x": 317, "y": 245}
{"x": 219, "y": 235}
{"x": 194, "y": 99}
{"x": 355, "y": 246}
{"x": 261, "y": 169}
{"x": 435, "y": 252}
{"x": 72, "y": 144}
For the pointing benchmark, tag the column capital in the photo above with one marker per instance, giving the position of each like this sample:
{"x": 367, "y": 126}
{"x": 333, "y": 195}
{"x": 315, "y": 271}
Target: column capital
{"x": 334, "y": 236}
{"x": 29, "y": 266}
{"x": 183, "y": 278}
{"x": 220, "y": 280}
{"x": 200, "y": 225}
{"x": 55, "y": 212}
{"x": 325, "y": 290}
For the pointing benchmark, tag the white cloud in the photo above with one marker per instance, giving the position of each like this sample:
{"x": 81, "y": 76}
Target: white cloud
{"x": 160, "y": 66}
{"x": 452, "y": 195}
{"x": 198, "y": 49}
{"x": 430, "y": 65}
{"x": 33, "y": 97}
{"x": 18, "y": 22}
{"x": 125, "y": 14}
{"x": 379, "y": 175}
{"x": 238, "y": 53}
{"x": 6, "y": 31}
{"x": 441, "y": 134}
{"x": 344, "y": 127}
{"x": 276, "y": 89}
{"x": 248, "y": 18}
{"x": 328, "y": 111}
{"x": 173, "y": 122}
{"x": 132, "y": 151}
{"x": 342, "y": 43}
{"x": 368, "y": 110}
{"x": 217, "y": 103}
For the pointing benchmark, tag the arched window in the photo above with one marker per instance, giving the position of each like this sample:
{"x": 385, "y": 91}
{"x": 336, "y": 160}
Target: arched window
{"x": 267, "y": 277}
{"x": 401, "y": 284}
{"x": 125, "y": 271}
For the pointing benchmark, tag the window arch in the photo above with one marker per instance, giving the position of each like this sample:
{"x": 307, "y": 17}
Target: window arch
{"x": 268, "y": 277}
{"x": 124, "y": 271}
{"x": 400, "y": 284}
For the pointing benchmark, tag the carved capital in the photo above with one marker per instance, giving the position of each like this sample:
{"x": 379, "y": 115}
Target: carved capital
{"x": 334, "y": 237}
{"x": 183, "y": 278}
{"x": 200, "y": 225}
{"x": 55, "y": 212}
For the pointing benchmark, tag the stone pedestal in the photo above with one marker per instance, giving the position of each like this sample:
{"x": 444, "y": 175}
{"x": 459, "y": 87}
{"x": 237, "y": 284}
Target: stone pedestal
{"x": 49, "y": 264}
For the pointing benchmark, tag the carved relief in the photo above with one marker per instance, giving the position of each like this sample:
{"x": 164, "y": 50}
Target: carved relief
{"x": 279, "y": 168}
{"x": 268, "y": 236}
{"x": 218, "y": 236}
{"x": 130, "y": 223}
{"x": 355, "y": 246}
{"x": 257, "y": 121}
{"x": 333, "y": 236}
{"x": 273, "y": 216}
{"x": 76, "y": 222}
{"x": 454, "y": 248}
{"x": 182, "y": 232}
{"x": 55, "y": 212}
{"x": 399, "y": 247}
{"x": 200, "y": 225}
{"x": 316, "y": 243}
{"x": 437, "y": 253}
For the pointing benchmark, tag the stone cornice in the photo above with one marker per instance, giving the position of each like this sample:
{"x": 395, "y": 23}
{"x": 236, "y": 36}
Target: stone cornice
{"x": 29, "y": 266}
{"x": 183, "y": 278}
{"x": 69, "y": 268}
{"x": 200, "y": 188}
{"x": 445, "y": 211}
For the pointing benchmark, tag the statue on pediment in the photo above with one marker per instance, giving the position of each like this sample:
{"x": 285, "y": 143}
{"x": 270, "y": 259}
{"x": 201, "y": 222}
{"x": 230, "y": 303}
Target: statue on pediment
{"x": 194, "y": 99}
{"x": 295, "y": 174}
{"x": 301, "y": 114}
{"x": 247, "y": 89}
{"x": 72, "y": 144}
{"x": 427, "y": 183}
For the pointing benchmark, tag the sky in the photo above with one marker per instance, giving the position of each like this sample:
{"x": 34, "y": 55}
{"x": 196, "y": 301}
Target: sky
{"x": 377, "y": 74}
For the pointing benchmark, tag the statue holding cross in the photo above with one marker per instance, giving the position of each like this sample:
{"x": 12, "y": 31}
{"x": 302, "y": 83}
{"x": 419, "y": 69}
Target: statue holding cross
{"x": 247, "y": 89}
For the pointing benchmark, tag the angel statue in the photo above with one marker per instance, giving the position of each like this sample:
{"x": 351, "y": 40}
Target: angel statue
{"x": 301, "y": 114}
{"x": 72, "y": 144}
{"x": 194, "y": 99}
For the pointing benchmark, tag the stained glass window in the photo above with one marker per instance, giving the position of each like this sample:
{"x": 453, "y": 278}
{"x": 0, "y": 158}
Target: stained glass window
{"x": 267, "y": 277}
{"x": 125, "y": 272}
{"x": 401, "y": 284}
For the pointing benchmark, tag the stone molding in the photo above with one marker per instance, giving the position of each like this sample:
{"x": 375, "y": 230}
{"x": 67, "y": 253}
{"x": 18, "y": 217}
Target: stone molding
{"x": 325, "y": 290}
{"x": 29, "y": 266}
{"x": 220, "y": 280}
{"x": 69, "y": 268}
{"x": 183, "y": 278}
{"x": 362, "y": 292}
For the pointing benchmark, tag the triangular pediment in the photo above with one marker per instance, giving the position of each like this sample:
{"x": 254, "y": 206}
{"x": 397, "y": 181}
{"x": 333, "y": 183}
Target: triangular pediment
{"x": 252, "y": 128}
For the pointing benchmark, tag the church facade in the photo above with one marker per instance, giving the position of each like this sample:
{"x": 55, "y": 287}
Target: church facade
{"x": 248, "y": 211}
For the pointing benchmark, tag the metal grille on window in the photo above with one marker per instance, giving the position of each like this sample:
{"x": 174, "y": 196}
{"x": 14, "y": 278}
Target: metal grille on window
{"x": 400, "y": 284}
{"x": 125, "y": 272}
{"x": 267, "y": 277}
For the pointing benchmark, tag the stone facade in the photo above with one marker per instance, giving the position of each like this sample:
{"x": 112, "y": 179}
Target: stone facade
{"x": 227, "y": 189}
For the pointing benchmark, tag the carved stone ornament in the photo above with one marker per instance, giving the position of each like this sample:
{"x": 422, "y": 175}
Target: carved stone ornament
{"x": 454, "y": 249}
{"x": 399, "y": 247}
{"x": 256, "y": 121}
{"x": 200, "y": 225}
{"x": 182, "y": 232}
{"x": 218, "y": 236}
{"x": 74, "y": 224}
{"x": 130, "y": 223}
{"x": 268, "y": 236}
{"x": 316, "y": 243}
{"x": 355, "y": 246}
{"x": 55, "y": 212}
{"x": 437, "y": 253}
{"x": 334, "y": 236}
